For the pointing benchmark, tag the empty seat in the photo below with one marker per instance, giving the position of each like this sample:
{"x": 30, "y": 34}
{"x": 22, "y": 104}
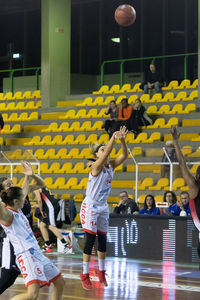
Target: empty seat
{"x": 185, "y": 84}
{"x": 50, "y": 153}
{"x": 172, "y": 85}
{"x": 114, "y": 89}
{"x": 53, "y": 127}
{"x": 161, "y": 184}
{"x": 61, "y": 154}
{"x": 103, "y": 89}
{"x": 66, "y": 168}
{"x": 177, "y": 184}
{"x": 126, "y": 88}
{"x": 146, "y": 183}
{"x": 194, "y": 84}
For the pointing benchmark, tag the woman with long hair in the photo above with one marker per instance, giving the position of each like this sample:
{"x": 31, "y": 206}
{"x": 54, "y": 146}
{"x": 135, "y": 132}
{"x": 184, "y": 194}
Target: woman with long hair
{"x": 95, "y": 210}
{"x": 149, "y": 206}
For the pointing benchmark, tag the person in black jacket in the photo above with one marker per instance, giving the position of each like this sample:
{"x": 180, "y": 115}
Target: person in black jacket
{"x": 154, "y": 80}
{"x": 139, "y": 117}
{"x": 125, "y": 205}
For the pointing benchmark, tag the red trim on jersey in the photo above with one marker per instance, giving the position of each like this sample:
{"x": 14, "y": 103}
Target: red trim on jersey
{"x": 9, "y": 223}
{"x": 54, "y": 279}
{"x": 100, "y": 232}
{"x": 89, "y": 231}
{"x": 43, "y": 283}
{"x": 12, "y": 209}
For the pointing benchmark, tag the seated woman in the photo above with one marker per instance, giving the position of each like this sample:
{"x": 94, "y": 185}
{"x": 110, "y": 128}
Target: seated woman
{"x": 149, "y": 206}
{"x": 173, "y": 209}
{"x": 139, "y": 117}
{"x": 112, "y": 109}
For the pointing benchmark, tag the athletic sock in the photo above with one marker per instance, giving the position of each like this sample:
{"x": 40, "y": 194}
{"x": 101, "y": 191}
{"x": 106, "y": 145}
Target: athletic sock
{"x": 101, "y": 264}
{"x": 85, "y": 267}
{"x": 47, "y": 243}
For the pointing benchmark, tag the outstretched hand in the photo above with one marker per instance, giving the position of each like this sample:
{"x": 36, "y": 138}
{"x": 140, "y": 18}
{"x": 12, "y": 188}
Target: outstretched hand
{"x": 121, "y": 134}
{"x": 175, "y": 132}
{"x": 28, "y": 170}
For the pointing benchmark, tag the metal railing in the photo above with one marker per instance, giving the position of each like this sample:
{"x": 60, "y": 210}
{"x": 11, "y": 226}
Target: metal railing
{"x": 12, "y": 71}
{"x": 151, "y": 58}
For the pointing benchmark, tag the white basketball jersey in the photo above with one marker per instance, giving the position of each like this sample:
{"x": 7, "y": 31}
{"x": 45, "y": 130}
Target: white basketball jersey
{"x": 20, "y": 233}
{"x": 98, "y": 187}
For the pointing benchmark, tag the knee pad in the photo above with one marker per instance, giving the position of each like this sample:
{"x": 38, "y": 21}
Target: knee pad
{"x": 102, "y": 242}
{"x": 90, "y": 240}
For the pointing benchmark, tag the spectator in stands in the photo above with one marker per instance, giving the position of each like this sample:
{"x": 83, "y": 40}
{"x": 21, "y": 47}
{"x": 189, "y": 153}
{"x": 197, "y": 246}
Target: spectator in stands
{"x": 165, "y": 169}
{"x": 149, "y": 206}
{"x": 173, "y": 209}
{"x": 139, "y": 117}
{"x": 47, "y": 214}
{"x": 124, "y": 115}
{"x": 1, "y": 122}
{"x": 125, "y": 205}
{"x": 112, "y": 109}
{"x": 184, "y": 204}
{"x": 153, "y": 80}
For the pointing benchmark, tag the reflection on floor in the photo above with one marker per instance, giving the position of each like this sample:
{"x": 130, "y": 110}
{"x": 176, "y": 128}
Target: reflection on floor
{"x": 127, "y": 279}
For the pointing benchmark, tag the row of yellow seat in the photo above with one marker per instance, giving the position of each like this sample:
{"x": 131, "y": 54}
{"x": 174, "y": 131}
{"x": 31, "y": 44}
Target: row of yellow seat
{"x": 15, "y": 117}
{"x": 145, "y": 98}
{"x": 176, "y": 109}
{"x": 19, "y": 95}
{"x": 75, "y": 126}
{"x": 185, "y": 84}
{"x": 20, "y": 105}
{"x": 11, "y": 129}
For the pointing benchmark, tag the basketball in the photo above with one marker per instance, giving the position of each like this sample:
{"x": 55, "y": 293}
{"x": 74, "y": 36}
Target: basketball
{"x": 125, "y": 15}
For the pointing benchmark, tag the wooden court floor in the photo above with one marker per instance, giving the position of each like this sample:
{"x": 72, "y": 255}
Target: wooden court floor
{"x": 127, "y": 279}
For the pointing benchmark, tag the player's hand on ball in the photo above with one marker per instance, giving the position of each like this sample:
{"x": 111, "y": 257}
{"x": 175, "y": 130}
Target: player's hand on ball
{"x": 175, "y": 133}
{"x": 28, "y": 170}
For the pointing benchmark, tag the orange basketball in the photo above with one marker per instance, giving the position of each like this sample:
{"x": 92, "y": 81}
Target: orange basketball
{"x": 125, "y": 15}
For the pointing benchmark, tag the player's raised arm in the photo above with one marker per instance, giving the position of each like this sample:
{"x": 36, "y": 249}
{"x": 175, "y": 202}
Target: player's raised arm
{"x": 28, "y": 172}
{"x": 189, "y": 179}
{"x": 119, "y": 160}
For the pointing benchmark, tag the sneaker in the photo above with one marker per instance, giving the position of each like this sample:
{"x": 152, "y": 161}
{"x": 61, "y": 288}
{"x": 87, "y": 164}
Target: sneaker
{"x": 67, "y": 247}
{"x": 86, "y": 282}
{"x": 47, "y": 249}
{"x": 102, "y": 277}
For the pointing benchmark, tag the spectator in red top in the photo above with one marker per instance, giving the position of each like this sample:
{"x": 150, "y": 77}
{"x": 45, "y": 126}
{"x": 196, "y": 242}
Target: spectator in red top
{"x": 124, "y": 116}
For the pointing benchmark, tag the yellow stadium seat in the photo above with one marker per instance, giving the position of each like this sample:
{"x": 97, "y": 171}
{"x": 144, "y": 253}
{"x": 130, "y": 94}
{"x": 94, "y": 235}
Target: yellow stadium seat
{"x": 172, "y": 85}
{"x": 101, "y": 113}
{"x": 66, "y": 168}
{"x": 50, "y": 153}
{"x": 104, "y": 138}
{"x": 34, "y": 141}
{"x": 119, "y": 168}
{"x": 39, "y": 153}
{"x": 92, "y": 138}
{"x": 155, "y": 136}
{"x": 159, "y": 198}
{"x": 1, "y": 141}
{"x": 97, "y": 125}
{"x": 168, "y": 97}
{"x": 44, "y": 168}
{"x": 73, "y": 181}
{"x": 193, "y": 95}
{"x": 132, "y": 98}
{"x": 123, "y": 184}
{"x": 92, "y": 113}
{"x": 191, "y": 107}
{"x": 80, "y": 139}
{"x": 78, "y": 197}
{"x": 177, "y": 184}
{"x": 156, "y": 98}
{"x": 16, "y": 128}
{"x": 152, "y": 110}
{"x": 154, "y": 152}
{"x": 54, "y": 168}
{"x": 193, "y": 170}
{"x": 48, "y": 182}
{"x": 141, "y": 138}
{"x": 69, "y": 139}
{"x": 126, "y": 88}
{"x": 145, "y": 98}
{"x": 5, "y": 117}
{"x": 195, "y": 154}
{"x": 98, "y": 101}
{"x": 18, "y": 95}
{"x": 75, "y": 126}
{"x": 114, "y": 89}
{"x": 27, "y": 95}
{"x": 120, "y": 98}
{"x": 46, "y": 140}
{"x": 102, "y": 90}
{"x": 86, "y": 102}
{"x": 177, "y": 109}
{"x": 137, "y": 88}
{"x": 186, "y": 150}
{"x": 36, "y": 94}
{"x": 2, "y": 106}
{"x": 33, "y": 116}
{"x": 73, "y": 153}
{"x": 57, "y": 140}
{"x": 161, "y": 184}
{"x": 81, "y": 114}
{"x": 30, "y": 105}
{"x": 171, "y": 122}
{"x": 63, "y": 127}
{"x": 164, "y": 109}
{"x": 185, "y": 84}
{"x": 61, "y": 154}
{"x": 53, "y": 127}
{"x": 1, "y": 96}
{"x": 59, "y": 183}
{"x": 180, "y": 96}
{"x": 137, "y": 151}
{"x": 8, "y": 96}
{"x": 86, "y": 126}
{"x": 146, "y": 183}
{"x": 80, "y": 168}
{"x": 191, "y": 122}
{"x": 194, "y": 84}
{"x": 85, "y": 153}
{"x": 159, "y": 123}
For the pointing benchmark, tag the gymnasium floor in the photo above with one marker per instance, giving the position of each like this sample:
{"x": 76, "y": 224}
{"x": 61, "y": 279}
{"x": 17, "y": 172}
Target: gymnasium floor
{"x": 127, "y": 279}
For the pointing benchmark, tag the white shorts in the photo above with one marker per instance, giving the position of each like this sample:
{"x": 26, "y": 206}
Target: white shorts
{"x": 36, "y": 268}
{"x": 94, "y": 218}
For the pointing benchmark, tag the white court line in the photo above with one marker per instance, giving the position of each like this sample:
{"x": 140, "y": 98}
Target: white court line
{"x": 149, "y": 284}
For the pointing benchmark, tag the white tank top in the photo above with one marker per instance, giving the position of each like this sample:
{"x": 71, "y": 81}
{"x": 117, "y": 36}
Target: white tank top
{"x": 20, "y": 233}
{"x": 98, "y": 187}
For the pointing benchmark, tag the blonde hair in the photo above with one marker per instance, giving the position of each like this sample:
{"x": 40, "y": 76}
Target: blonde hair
{"x": 93, "y": 151}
